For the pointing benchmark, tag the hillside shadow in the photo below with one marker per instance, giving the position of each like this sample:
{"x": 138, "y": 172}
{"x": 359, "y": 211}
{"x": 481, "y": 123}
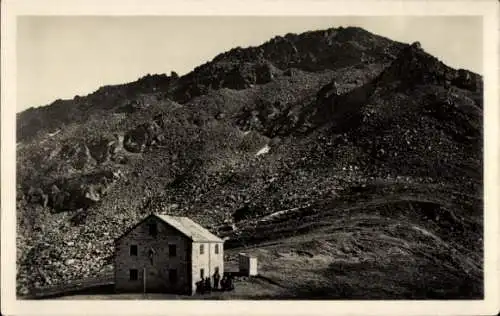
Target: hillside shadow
{"x": 375, "y": 281}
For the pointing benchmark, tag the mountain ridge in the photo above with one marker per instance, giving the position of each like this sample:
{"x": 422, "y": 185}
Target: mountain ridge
{"x": 163, "y": 79}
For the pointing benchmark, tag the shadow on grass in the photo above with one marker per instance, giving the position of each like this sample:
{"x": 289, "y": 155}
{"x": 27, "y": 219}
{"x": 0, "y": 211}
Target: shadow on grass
{"x": 368, "y": 280}
{"x": 396, "y": 281}
{"x": 107, "y": 289}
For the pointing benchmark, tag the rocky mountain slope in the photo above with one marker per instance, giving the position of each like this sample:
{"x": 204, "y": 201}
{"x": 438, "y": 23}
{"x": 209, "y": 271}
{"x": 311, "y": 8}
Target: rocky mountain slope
{"x": 301, "y": 134}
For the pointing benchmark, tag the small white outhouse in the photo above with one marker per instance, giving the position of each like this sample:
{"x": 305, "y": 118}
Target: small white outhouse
{"x": 248, "y": 264}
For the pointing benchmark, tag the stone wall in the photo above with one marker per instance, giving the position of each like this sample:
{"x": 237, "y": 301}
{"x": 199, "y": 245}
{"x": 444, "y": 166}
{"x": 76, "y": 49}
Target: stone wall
{"x": 157, "y": 272}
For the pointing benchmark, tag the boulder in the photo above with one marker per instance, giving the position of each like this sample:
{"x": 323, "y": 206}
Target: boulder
{"x": 467, "y": 80}
{"x": 69, "y": 262}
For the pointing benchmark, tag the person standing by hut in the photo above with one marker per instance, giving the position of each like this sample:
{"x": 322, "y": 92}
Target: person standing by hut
{"x": 223, "y": 282}
{"x": 230, "y": 283}
{"x": 216, "y": 280}
{"x": 199, "y": 287}
{"x": 208, "y": 286}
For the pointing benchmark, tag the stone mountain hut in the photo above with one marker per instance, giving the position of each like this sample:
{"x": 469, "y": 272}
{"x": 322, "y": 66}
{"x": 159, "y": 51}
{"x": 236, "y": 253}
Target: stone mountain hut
{"x": 164, "y": 253}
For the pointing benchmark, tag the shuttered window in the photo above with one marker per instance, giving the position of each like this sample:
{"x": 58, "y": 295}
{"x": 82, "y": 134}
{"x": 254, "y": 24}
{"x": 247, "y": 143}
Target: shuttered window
{"x": 133, "y": 250}
{"x": 172, "y": 276}
{"x": 153, "y": 229}
{"x": 133, "y": 274}
{"x": 172, "y": 250}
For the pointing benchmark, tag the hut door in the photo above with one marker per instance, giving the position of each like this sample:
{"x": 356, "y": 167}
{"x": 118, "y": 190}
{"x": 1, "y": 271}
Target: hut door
{"x": 152, "y": 277}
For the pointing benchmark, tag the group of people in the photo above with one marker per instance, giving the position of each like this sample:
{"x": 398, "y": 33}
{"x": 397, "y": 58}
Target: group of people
{"x": 205, "y": 285}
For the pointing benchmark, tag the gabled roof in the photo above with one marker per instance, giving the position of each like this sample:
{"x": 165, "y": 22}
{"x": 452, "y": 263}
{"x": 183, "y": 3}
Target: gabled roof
{"x": 184, "y": 225}
{"x": 189, "y": 228}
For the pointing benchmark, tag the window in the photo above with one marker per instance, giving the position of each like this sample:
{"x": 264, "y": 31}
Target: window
{"x": 216, "y": 248}
{"x": 216, "y": 269}
{"x": 202, "y": 274}
{"x": 202, "y": 249}
{"x": 153, "y": 230}
{"x": 172, "y": 250}
{"x": 133, "y": 250}
{"x": 133, "y": 275}
{"x": 172, "y": 276}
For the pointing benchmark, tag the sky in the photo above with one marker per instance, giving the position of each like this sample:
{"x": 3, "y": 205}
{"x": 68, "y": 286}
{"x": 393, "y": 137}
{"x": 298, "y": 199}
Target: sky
{"x": 59, "y": 57}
